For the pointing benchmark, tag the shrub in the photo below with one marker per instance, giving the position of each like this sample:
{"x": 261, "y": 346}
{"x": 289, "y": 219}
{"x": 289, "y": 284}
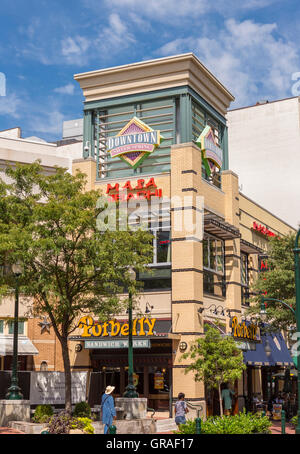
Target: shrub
{"x": 84, "y": 424}
{"x": 294, "y": 421}
{"x": 83, "y": 410}
{"x": 42, "y": 413}
{"x": 61, "y": 423}
{"x": 242, "y": 423}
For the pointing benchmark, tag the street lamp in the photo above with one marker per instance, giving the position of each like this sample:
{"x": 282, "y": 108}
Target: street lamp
{"x": 14, "y": 391}
{"x": 268, "y": 351}
{"x": 130, "y": 388}
{"x": 296, "y": 313}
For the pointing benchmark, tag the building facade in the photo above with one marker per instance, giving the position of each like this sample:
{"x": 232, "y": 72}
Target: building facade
{"x": 264, "y": 143}
{"x": 209, "y": 238}
{"x": 37, "y": 344}
{"x": 155, "y": 141}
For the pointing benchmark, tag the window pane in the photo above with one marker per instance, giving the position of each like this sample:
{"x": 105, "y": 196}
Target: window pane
{"x": 205, "y": 253}
{"x": 1, "y": 326}
{"x": 219, "y": 256}
{"x": 11, "y": 327}
{"x": 163, "y": 247}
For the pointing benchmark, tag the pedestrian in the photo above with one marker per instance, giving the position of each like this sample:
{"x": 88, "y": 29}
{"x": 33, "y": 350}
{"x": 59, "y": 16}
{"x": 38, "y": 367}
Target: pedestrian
{"x": 108, "y": 408}
{"x": 227, "y": 395}
{"x": 180, "y": 410}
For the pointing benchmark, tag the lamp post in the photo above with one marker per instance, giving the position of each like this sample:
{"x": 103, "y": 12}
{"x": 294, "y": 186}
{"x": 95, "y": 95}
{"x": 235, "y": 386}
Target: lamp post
{"x": 296, "y": 313}
{"x": 268, "y": 351}
{"x": 14, "y": 391}
{"x": 130, "y": 388}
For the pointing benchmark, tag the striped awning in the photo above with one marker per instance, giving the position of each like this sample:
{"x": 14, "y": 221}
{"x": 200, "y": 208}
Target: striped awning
{"x": 25, "y": 346}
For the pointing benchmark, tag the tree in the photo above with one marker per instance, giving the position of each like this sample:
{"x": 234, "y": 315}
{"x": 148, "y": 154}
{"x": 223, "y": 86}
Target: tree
{"x": 215, "y": 359}
{"x": 70, "y": 268}
{"x": 277, "y": 282}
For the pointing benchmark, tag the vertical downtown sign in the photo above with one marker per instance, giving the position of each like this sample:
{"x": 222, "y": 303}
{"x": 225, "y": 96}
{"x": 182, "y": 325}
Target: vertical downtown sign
{"x": 134, "y": 142}
{"x": 212, "y": 154}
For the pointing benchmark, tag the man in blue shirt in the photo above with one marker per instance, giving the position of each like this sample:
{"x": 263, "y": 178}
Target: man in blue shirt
{"x": 108, "y": 408}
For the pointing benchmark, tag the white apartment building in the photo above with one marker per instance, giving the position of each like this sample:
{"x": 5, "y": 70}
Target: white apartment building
{"x": 264, "y": 150}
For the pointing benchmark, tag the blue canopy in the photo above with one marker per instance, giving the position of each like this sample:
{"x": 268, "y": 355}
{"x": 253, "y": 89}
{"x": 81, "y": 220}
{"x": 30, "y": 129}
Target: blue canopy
{"x": 280, "y": 355}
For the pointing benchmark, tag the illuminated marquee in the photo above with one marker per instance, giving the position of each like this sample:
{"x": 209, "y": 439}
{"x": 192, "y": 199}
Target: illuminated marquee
{"x": 212, "y": 154}
{"x": 134, "y": 142}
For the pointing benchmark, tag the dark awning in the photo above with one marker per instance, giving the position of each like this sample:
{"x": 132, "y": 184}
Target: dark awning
{"x": 250, "y": 248}
{"x": 280, "y": 355}
{"x": 219, "y": 228}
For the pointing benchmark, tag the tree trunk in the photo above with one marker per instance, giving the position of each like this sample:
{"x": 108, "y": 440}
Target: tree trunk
{"x": 68, "y": 378}
{"x": 220, "y": 399}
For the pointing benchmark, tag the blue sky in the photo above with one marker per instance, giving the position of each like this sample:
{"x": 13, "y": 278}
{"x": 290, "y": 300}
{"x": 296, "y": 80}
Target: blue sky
{"x": 250, "y": 45}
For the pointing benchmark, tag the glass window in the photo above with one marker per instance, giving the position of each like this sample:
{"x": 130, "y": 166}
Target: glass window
{"x": 1, "y": 326}
{"x": 163, "y": 247}
{"x": 11, "y": 327}
{"x": 213, "y": 264}
{"x": 245, "y": 278}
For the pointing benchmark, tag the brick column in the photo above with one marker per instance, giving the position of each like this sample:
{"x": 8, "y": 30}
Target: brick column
{"x": 187, "y": 263}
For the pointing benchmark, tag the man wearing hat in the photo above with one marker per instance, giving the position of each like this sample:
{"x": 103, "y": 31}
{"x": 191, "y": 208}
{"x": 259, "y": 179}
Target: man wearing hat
{"x": 108, "y": 408}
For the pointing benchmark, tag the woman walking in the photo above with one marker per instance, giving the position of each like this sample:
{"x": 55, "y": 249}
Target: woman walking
{"x": 108, "y": 408}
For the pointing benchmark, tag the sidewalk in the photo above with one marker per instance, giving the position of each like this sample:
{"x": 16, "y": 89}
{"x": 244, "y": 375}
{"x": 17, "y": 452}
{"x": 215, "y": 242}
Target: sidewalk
{"x": 9, "y": 431}
{"x": 276, "y": 428}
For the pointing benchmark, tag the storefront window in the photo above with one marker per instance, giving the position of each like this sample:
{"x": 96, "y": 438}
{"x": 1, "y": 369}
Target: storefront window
{"x": 213, "y": 264}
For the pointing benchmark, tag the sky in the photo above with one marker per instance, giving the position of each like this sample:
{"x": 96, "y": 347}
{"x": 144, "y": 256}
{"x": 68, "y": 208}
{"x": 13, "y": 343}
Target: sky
{"x": 251, "y": 46}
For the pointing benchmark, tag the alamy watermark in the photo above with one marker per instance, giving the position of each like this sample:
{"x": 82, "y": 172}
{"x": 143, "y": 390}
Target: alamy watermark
{"x": 187, "y": 213}
{"x": 2, "y": 84}
{"x": 296, "y": 86}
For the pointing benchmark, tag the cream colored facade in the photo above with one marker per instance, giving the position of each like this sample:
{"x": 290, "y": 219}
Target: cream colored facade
{"x": 187, "y": 303}
{"x": 220, "y": 212}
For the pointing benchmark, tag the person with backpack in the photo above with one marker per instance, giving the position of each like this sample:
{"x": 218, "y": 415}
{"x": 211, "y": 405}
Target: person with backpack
{"x": 180, "y": 410}
{"x": 108, "y": 408}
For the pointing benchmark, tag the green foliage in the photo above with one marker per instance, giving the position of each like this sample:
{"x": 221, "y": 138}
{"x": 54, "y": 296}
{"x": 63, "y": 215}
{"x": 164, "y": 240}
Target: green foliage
{"x": 215, "y": 359}
{"x": 42, "y": 413}
{"x": 294, "y": 420}
{"x": 278, "y": 282}
{"x": 49, "y": 224}
{"x": 242, "y": 423}
{"x": 82, "y": 409}
{"x": 84, "y": 424}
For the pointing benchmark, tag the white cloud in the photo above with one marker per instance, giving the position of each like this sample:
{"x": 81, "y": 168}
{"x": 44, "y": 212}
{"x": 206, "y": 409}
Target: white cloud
{"x": 10, "y": 105}
{"x": 65, "y": 90}
{"x": 247, "y": 57}
{"x": 74, "y": 49}
{"x": 177, "y": 10}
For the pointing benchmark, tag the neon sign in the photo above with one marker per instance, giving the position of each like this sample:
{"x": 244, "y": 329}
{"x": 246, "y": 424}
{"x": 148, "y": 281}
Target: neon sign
{"x": 262, "y": 229}
{"x": 134, "y": 142}
{"x": 212, "y": 154}
{"x": 140, "y": 190}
